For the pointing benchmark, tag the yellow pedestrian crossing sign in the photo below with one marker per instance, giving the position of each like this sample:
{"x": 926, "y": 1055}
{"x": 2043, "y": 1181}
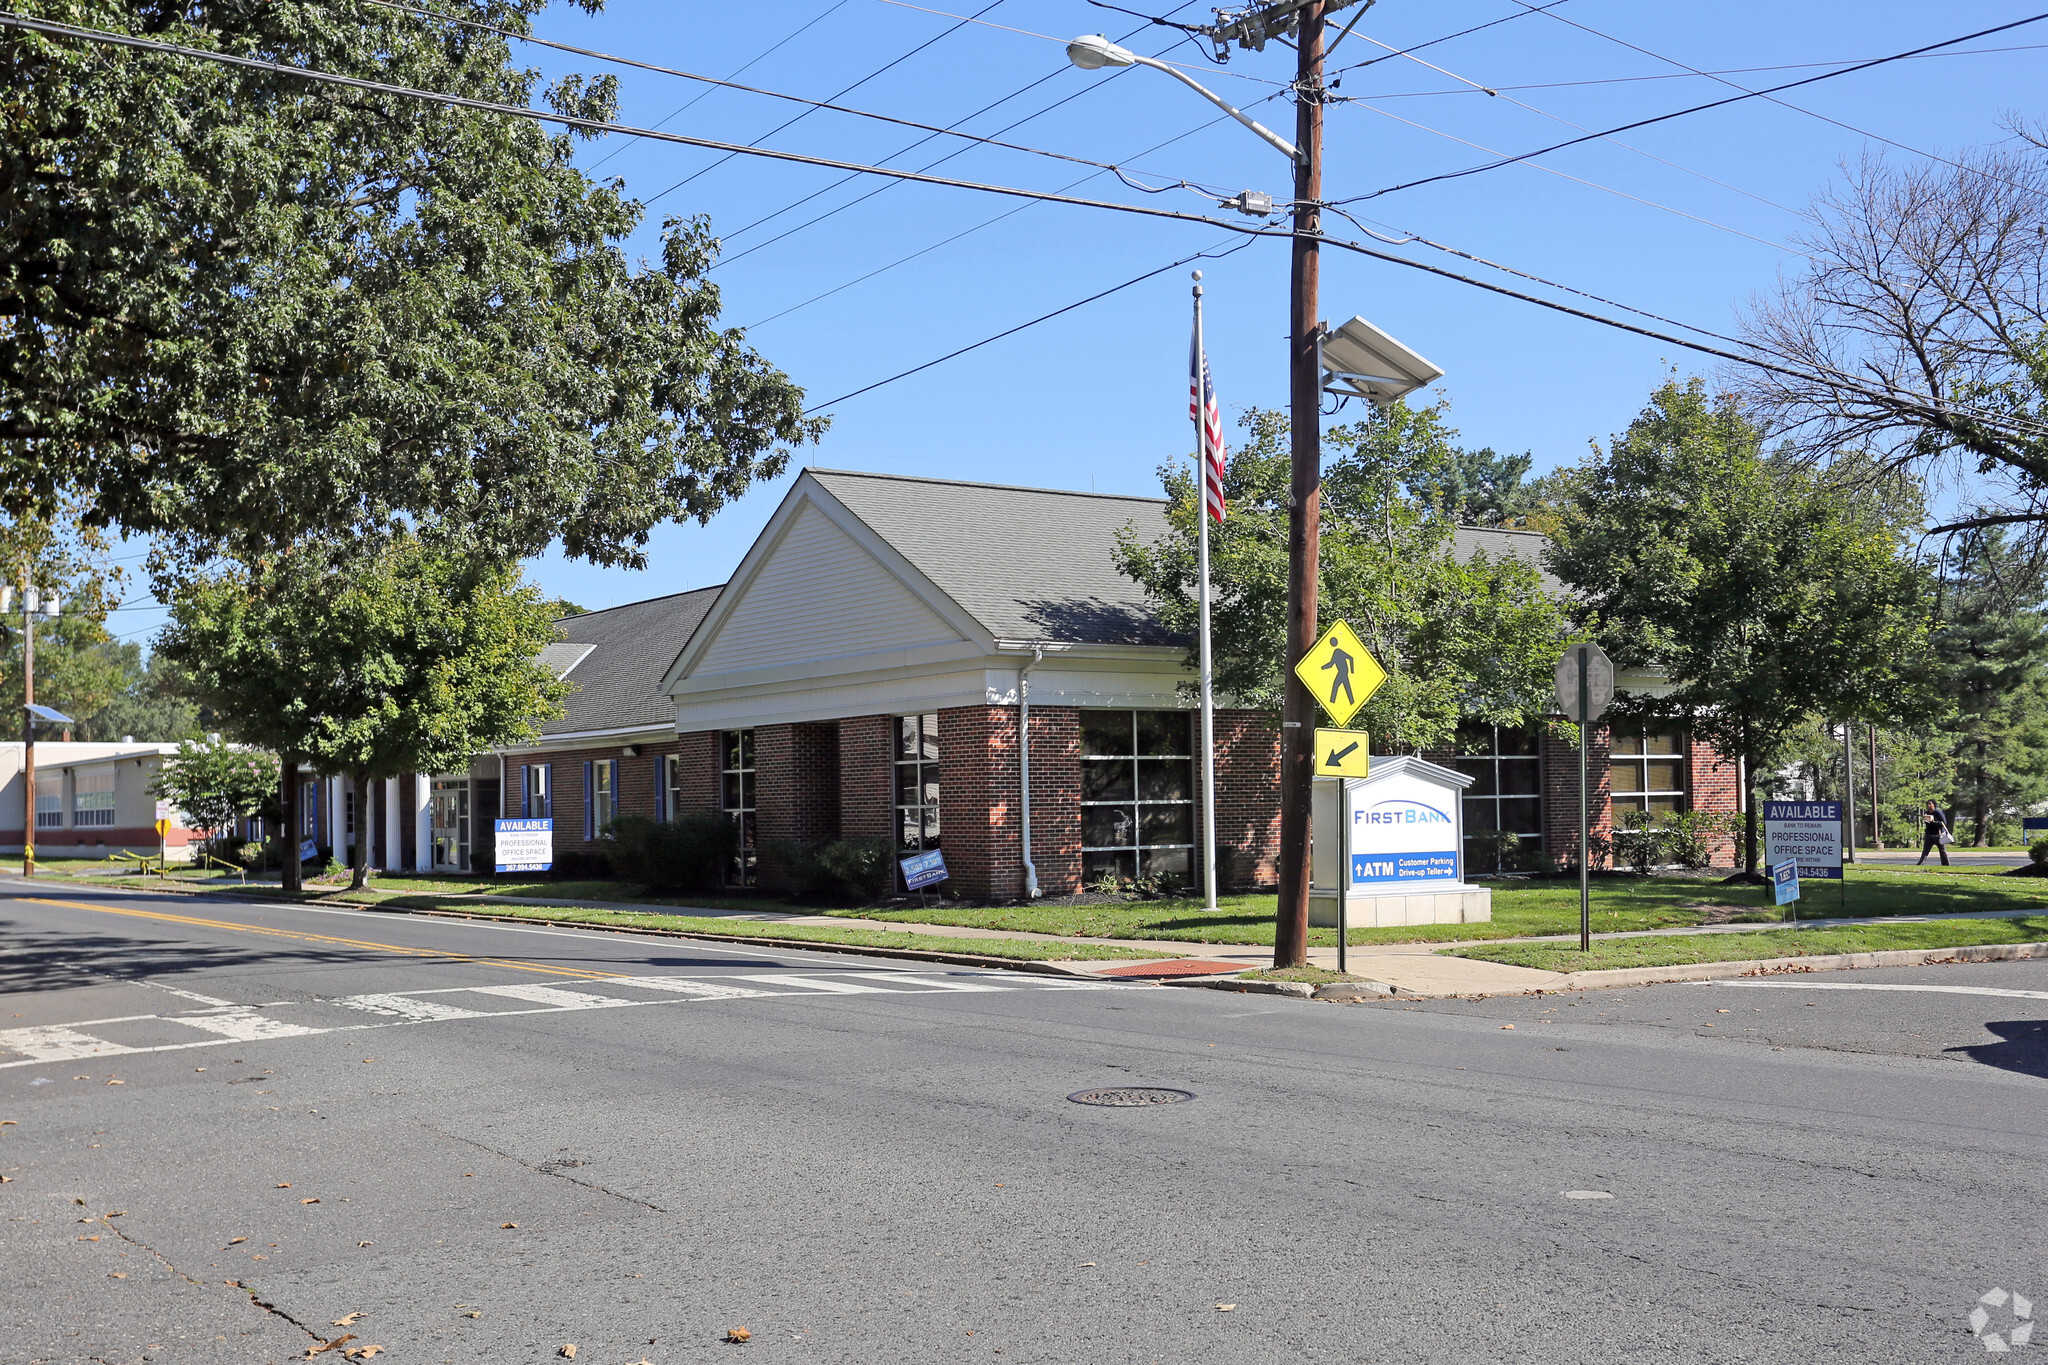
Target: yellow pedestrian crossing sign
{"x": 1341, "y": 672}
{"x": 1342, "y": 753}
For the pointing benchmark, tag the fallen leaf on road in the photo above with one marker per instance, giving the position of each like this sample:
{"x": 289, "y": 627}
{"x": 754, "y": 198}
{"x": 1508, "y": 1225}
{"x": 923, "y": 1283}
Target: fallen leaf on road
{"x": 348, "y": 1320}
{"x": 312, "y": 1351}
{"x": 1507, "y": 1025}
{"x": 236, "y": 1241}
{"x": 1084, "y": 1265}
{"x": 88, "y": 1239}
{"x": 472, "y": 1315}
{"x": 78, "y": 1201}
{"x": 5, "y": 1179}
{"x": 118, "y": 1275}
{"x": 117, "y": 1082}
{"x": 118, "y": 1213}
{"x": 1225, "y": 1307}
{"x": 10, "y": 1123}
{"x": 284, "y": 1184}
{"x": 309, "y": 1201}
{"x": 508, "y": 1225}
{"x": 363, "y": 1352}
{"x": 365, "y": 1244}
{"x": 570, "y": 1350}
{"x": 738, "y": 1334}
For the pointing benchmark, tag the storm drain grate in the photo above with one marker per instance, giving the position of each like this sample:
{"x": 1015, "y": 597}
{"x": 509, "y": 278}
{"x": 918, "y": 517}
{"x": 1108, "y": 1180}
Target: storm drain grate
{"x": 1131, "y": 1096}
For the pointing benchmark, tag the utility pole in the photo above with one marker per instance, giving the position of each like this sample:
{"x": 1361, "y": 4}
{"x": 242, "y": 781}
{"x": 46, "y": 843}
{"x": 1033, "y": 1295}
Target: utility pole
{"x": 1304, "y": 516}
{"x": 28, "y": 726}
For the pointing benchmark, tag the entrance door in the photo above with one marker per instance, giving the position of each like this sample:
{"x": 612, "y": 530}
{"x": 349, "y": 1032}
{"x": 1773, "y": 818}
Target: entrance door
{"x": 451, "y": 824}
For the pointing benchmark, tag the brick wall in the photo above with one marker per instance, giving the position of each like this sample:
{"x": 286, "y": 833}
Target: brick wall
{"x": 1715, "y": 788}
{"x": 867, "y": 777}
{"x": 1561, "y": 790}
{"x": 978, "y": 800}
{"x": 637, "y": 777}
{"x": 1247, "y": 797}
{"x": 697, "y": 760}
{"x": 796, "y": 789}
{"x": 1055, "y": 798}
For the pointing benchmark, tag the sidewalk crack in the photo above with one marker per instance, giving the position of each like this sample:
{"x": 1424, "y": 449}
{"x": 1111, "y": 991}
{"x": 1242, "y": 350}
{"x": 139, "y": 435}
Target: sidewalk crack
{"x": 551, "y": 1168}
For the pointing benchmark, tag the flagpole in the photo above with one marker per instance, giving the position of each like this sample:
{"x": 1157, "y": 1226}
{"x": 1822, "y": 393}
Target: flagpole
{"x": 1202, "y": 557}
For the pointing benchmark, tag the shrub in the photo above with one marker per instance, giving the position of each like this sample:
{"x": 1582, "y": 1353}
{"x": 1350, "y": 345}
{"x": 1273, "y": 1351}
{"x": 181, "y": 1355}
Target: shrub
{"x": 688, "y": 853}
{"x": 2038, "y": 850}
{"x": 858, "y": 869}
{"x": 1690, "y": 838}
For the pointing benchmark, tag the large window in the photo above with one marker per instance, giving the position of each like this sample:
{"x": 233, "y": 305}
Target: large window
{"x": 1648, "y": 770}
{"x": 1137, "y": 795}
{"x": 92, "y": 800}
{"x": 450, "y": 824}
{"x": 736, "y": 799}
{"x": 1506, "y": 791}
{"x": 917, "y": 783}
{"x": 600, "y": 796}
{"x": 50, "y": 800}
{"x": 538, "y": 800}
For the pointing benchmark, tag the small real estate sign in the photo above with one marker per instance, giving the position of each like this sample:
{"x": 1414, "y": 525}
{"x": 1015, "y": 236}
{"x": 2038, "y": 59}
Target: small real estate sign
{"x": 1808, "y": 833}
{"x": 525, "y": 845}
{"x": 1785, "y": 882}
{"x": 922, "y": 869}
{"x": 1403, "y": 830}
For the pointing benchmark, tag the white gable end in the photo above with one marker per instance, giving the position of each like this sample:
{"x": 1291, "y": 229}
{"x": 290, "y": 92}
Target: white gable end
{"x": 818, "y": 595}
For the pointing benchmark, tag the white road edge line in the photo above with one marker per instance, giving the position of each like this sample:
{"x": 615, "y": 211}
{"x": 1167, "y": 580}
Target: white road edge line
{"x": 1877, "y": 986}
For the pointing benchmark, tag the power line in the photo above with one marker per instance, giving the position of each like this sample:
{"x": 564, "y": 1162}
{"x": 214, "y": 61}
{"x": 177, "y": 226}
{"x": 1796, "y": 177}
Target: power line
{"x": 1684, "y": 73}
{"x": 1210, "y": 254}
{"x": 1505, "y": 18}
{"x": 1047, "y": 37}
{"x": 885, "y": 66}
{"x": 932, "y": 129}
{"x": 1695, "y": 109}
{"x": 48, "y": 27}
{"x": 743, "y": 67}
{"x": 1786, "y": 104}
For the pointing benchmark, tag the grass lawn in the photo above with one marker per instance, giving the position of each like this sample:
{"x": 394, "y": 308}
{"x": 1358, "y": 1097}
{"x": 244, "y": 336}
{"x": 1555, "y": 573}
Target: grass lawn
{"x": 1874, "y": 937}
{"x": 1520, "y": 909}
{"x": 1024, "y": 949}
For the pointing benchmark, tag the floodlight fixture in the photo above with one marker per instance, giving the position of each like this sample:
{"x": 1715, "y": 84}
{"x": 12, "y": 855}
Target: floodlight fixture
{"x": 1361, "y": 361}
{"x": 1092, "y": 52}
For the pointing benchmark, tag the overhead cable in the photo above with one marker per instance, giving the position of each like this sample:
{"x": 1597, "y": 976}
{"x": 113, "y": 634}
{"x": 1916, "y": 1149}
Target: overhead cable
{"x": 933, "y": 129}
{"x": 311, "y": 74}
{"x": 1695, "y": 109}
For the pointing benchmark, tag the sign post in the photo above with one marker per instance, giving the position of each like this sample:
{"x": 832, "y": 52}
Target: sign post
{"x": 1353, "y": 676}
{"x": 1585, "y": 687}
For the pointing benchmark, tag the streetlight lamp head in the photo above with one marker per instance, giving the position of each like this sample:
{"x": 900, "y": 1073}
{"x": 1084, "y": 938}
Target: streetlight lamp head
{"x": 1092, "y": 52}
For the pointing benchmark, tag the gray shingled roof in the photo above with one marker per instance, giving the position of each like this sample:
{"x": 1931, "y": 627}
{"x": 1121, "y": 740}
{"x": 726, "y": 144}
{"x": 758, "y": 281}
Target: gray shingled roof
{"x": 1526, "y": 546}
{"x": 1028, "y": 563}
{"x": 618, "y": 658}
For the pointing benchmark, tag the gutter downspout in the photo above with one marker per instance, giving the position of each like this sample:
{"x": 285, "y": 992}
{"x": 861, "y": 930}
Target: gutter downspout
{"x": 1031, "y": 891}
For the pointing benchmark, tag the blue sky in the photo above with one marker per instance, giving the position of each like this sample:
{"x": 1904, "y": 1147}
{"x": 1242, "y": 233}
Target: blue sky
{"x": 1691, "y": 219}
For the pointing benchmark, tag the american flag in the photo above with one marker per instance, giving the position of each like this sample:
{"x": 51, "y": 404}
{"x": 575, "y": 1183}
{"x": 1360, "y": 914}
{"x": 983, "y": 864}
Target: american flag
{"x": 1209, "y": 424}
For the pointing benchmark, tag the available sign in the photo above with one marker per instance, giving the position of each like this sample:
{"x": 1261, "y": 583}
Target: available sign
{"x": 1402, "y": 828}
{"x": 922, "y": 869}
{"x": 525, "y": 845}
{"x": 1808, "y": 833}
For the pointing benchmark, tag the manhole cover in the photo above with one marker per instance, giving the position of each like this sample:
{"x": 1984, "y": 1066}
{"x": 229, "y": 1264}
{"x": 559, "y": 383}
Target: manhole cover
{"x": 1131, "y": 1096}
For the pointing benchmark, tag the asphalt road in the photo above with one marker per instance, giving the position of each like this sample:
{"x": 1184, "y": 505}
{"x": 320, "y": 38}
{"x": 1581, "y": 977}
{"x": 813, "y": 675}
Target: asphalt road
{"x": 234, "y": 1125}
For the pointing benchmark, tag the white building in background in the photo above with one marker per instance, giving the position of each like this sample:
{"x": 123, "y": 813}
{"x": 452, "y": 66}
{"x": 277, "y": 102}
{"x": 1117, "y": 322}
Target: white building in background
{"x": 91, "y": 801}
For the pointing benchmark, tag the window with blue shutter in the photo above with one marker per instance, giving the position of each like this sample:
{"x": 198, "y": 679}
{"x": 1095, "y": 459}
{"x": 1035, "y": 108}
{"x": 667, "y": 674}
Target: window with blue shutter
{"x": 660, "y": 787}
{"x": 589, "y": 801}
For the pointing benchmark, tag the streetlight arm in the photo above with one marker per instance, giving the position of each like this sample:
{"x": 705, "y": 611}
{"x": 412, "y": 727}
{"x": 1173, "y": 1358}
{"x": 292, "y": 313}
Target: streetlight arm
{"x": 1271, "y": 138}
{"x": 1092, "y": 52}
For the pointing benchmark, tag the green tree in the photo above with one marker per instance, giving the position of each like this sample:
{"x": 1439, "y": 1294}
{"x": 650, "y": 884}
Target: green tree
{"x": 1479, "y": 488}
{"x": 368, "y": 664}
{"x": 214, "y": 783}
{"x": 1471, "y": 639}
{"x": 77, "y": 667}
{"x": 150, "y": 704}
{"x": 1766, "y": 592}
{"x": 237, "y": 307}
{"x": 1993, "y": 647}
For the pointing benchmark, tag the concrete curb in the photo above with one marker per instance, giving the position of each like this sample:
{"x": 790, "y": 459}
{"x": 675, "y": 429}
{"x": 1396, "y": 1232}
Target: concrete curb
{"x": 1300, "y": 990}
{"x": 1822, "y": 962}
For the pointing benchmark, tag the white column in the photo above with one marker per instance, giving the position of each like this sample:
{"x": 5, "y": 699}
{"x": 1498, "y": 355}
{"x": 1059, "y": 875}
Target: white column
{"x": 393, "y": 828}
{"x": 337, "y": 818}
{"x": 423, "y": 823}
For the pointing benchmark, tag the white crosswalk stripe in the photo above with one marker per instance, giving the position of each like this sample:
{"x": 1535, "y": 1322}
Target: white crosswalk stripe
{"x": 396, "y": 1009}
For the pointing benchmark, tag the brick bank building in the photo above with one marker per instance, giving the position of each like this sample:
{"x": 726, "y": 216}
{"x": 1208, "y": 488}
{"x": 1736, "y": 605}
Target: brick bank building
{"x": 866, "y": 670}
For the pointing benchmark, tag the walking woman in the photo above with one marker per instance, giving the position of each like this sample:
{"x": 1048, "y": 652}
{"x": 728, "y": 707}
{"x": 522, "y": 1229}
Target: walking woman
{"x": 1935, "y": 837}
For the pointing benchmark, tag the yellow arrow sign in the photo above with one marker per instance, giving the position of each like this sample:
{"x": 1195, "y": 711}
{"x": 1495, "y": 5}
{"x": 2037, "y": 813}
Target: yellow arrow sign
{"x": 163, "y": 829}
{"x": 1342, "y": 753}
{"x": 1341, "y": 672}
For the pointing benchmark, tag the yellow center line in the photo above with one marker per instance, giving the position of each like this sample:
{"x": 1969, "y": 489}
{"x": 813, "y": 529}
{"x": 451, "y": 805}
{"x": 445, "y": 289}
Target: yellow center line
{"x": 364, "y": 944}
